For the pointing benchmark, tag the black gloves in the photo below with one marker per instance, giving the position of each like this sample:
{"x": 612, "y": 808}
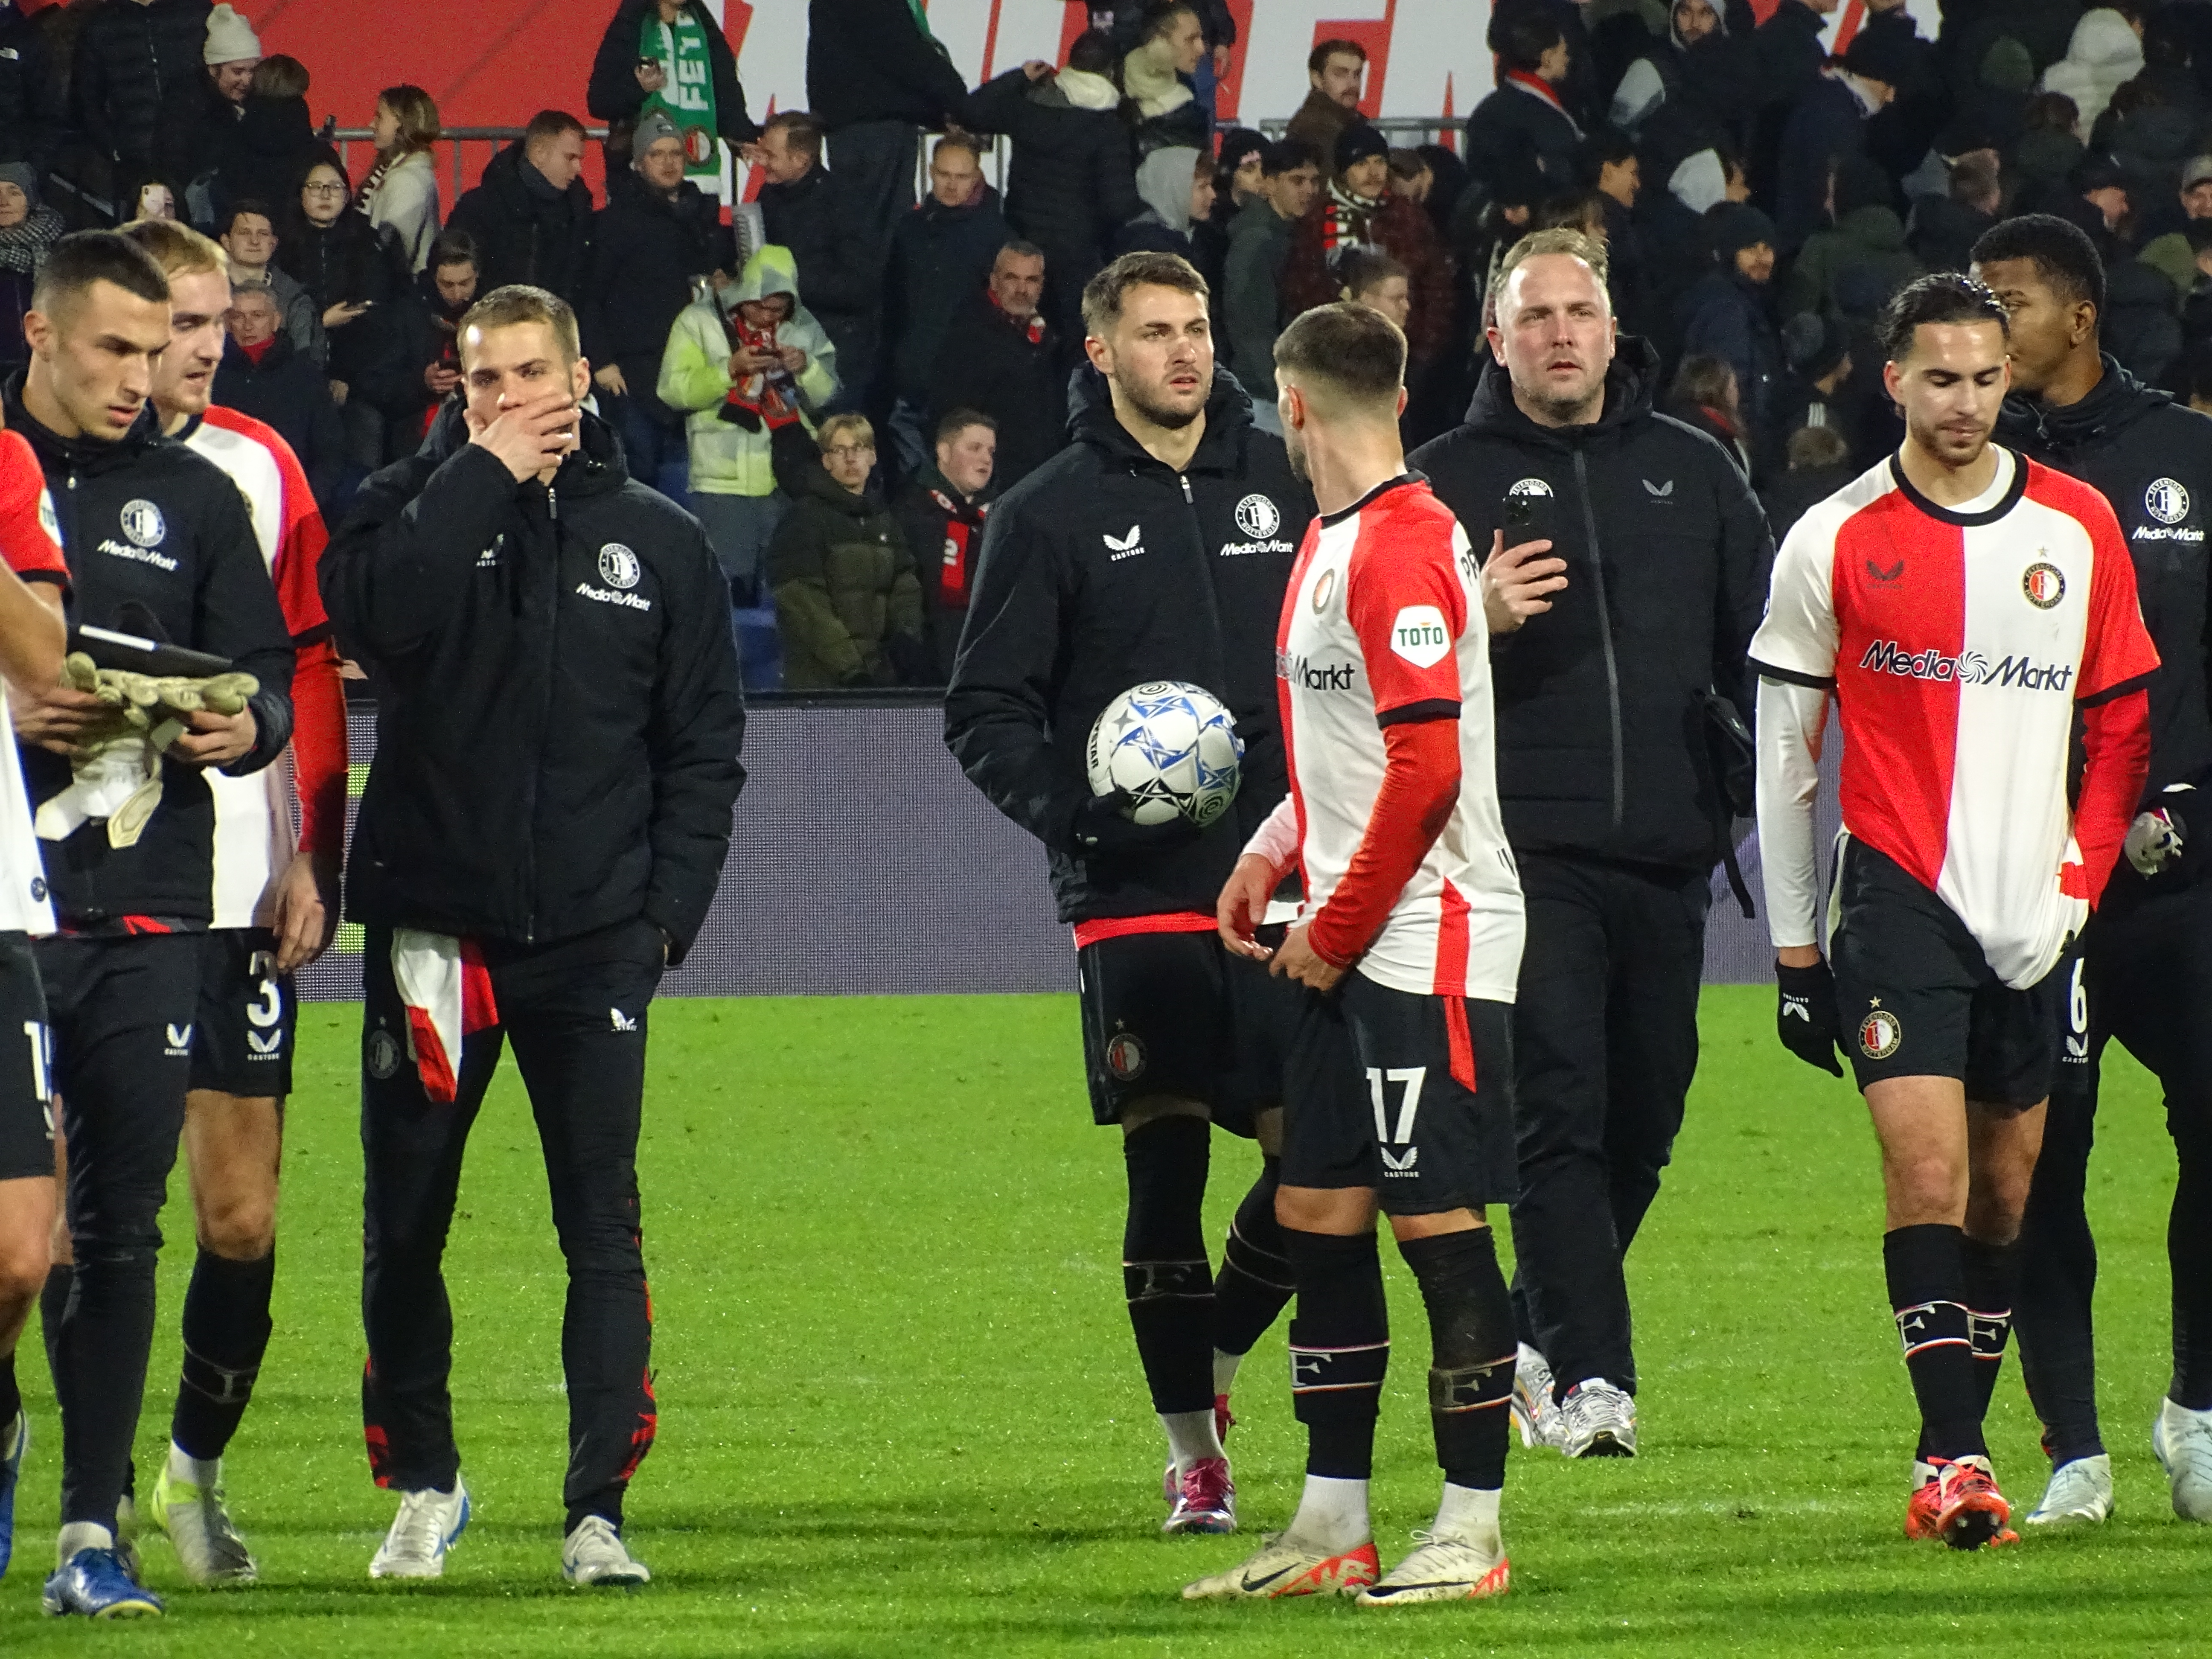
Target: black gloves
{"x": 1102, "y": 831}
{"x": 1805, "y": 1015}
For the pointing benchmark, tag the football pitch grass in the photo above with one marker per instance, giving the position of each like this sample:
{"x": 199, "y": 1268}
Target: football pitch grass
{"x": 900, "y": 1412}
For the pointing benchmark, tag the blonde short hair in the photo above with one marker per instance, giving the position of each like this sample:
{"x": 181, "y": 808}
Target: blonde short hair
{"x": 518, "y": 302}
{"x": 179, "y": 250}
{"x": 826, "y": 435}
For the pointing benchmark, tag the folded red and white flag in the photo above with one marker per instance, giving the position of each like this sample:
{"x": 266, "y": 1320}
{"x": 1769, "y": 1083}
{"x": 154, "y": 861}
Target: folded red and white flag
{"x": 446, "y": 990}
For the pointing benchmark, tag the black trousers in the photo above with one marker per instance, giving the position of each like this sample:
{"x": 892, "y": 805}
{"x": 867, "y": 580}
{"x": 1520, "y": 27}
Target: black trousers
{"x": 876, "y": 160}
{"x": 2145, "y": 977}
{"x": 575, "y": 1012}
{"x": 121, "y": 1011}
{"x": 1605, "y": 1044}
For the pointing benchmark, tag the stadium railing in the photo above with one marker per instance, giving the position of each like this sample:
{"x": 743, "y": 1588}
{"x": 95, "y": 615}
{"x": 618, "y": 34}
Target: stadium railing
{"x": 456, "y": 139}
{"x": 1411, "y": 130}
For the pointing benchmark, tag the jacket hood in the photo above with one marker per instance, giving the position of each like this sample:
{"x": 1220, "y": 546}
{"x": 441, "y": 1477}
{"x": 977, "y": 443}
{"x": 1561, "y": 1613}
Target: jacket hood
{"x": 2116, "y": 403}
{"x": 1874, "y": 227}
{"x": 771, "y": 270}
{"x": 1163, "y": 182}
{"x": 816, "y": 484}
{"x": 1090, "y": 420}
{"x": 1700, "y": 181}
{"x": 1077, "y": 89}
{"x": 86, "y": 455}
{"x": 1630, "y": 383}
{"x": 503, "y": 172}
{"x": 2104, "y": 40}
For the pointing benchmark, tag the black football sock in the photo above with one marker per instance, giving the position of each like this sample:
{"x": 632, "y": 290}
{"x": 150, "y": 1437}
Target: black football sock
{"x": 1992, "y": 1278}
{"x": 105, "y": 1337}
{"x": 11, "y": 1397}
{"x": 54, "y": 1302}
{"x": 1471, "y": 1352}
{"x": 1165, "y": 1273}
{"x": 1254, "y": 1282}
{"x": 226, "y": 1333}
{"x": 2189, "y": 1249}
{"x": 1340, "y": 1349}
{"x": 1927, "y": 1277}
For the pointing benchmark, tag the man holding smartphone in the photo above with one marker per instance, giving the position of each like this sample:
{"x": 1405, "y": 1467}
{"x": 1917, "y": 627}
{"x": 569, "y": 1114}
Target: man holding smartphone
{"x": 1636, "y": 574}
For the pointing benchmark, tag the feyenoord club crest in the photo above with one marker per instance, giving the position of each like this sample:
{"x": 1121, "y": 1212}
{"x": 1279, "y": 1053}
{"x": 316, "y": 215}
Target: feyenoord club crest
{"x": 617, "y": 566}
{"x": 1125, "y": 1057}
{"x": 142, "y": 522}
{"x": 383, "y": 1055}
{"x": 2166, "y": 500}
{"x": 1324, "y": 591}
{"x": 1879, "y": 1034}
{"x": 2043, "y": 584}
{"x": 1257, "y": 517}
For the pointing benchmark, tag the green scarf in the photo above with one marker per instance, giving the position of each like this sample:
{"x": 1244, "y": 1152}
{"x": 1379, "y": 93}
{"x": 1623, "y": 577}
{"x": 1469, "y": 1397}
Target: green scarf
{"x": 680, "y": 49}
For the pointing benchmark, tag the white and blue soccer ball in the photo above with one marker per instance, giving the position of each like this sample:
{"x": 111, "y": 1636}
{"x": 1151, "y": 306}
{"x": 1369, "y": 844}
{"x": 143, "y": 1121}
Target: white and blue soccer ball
{"x": 1171, "y": 748}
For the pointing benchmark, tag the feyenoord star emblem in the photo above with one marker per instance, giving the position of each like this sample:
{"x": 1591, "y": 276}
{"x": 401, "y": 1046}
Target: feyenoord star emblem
{"x": 1125, "y": 1057}
{"x": 2043, "y": 584}
{"x": 1879, "y": 1034}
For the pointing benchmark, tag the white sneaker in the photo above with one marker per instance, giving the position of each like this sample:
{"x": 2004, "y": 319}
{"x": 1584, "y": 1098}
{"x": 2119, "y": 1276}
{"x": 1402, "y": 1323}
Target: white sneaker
{"x": 1284, "y": 1567}
{"x": 208, "y": 1545}
{"x": 593, "y": 1554}
{"x": 1535, "y": 1413}
{"x": 1597, "y": 1420}
{"x": 428, "y": 1525}
{"x": 2080, "y": 1494}
{"x": 1443, "y": 1570}
{"x": 2183, "y": 1441}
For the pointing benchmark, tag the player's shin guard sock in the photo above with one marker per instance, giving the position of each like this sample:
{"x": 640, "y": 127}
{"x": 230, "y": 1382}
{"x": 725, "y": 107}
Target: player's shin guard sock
{"x": 1927, "y": 1293}
{"x": 226, "y": 1333}
{"x": 1992, "y": 1278}
{"x": 1165, "y": 1273}
{"x": 1472, "y": 1351}
{"x": 1255, "y": 1281}
{"x": 1340, "y": 1349}
{"x": 2189, "y": 1249}
{"x": 53, "y": 1303}
{"x": 11, "y": 1397}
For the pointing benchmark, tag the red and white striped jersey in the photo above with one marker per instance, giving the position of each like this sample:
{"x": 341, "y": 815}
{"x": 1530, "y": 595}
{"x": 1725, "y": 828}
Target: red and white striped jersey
{"x": 1383, "y": 624}
{"x": 253, "y": 832}
{"x": 1960, "y": 643}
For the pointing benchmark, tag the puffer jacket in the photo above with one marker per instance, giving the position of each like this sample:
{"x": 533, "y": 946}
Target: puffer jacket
{"x": 1872, "y": 236}
{"x": 695, "y": 376}
{"x": 2104, "y": 54}
{"x": 847, "y": 601}
{"x": 138, "y": 79}
{"x": 1071, "y": 182}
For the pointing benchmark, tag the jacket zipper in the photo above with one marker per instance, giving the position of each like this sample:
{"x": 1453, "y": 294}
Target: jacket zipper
{"x": 1605, "y": 636}
{"x": 544, "y": 721}
{"x": 1217, "y": 662}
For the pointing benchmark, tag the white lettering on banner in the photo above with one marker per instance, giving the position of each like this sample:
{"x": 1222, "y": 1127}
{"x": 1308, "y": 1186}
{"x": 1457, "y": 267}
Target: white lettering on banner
{"x": 1426, "y": 57}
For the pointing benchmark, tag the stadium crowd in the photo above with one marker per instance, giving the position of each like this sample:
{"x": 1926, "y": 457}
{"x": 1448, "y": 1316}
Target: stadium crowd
{"x": 1759, "y": 202}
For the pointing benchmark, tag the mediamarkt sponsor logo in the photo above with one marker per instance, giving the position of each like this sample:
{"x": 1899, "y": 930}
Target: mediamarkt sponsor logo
{"x": 1314, "y": 676}
{"x": 1968, "y": 668}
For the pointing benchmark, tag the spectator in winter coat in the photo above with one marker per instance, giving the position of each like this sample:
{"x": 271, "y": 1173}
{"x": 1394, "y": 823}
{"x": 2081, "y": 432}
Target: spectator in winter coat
{"x": 874, "y": 77}
{"x": 247, "y": 231}
{"x": 2104, "y": 54}
{"x": 137, "y": 83}
{"x": 1822, "y": 387}
{"x": 1155, "y": 78}
{"x": 430, "y": 320}
{"x": 1946, "y": 227}
{"x": 1698, "y": 85}
{"x": 810, "y": 210}
{"x": 34, "y": 112}
{"x": 1704, "y": 396}
{"x": 848, "y": 600}
{"x": 1728, "y": 314}
{"x": 1334, "y": 72}
{"x": 531, "y": 218}
{"x": 1828, "y": 124}
{"x": 941, "y": 253}
{"x": 1071, "y": 184}
{"x": 658, "y": 236}
{"x": 345, "y": 266}
{"x": 1358, "y": 207}
{"x": 636, "y": 68}
{"x": 400, "y": 194}
{"x": 1791, "y": 53}
{"x": 1819, "y": 464}
{"x": 941, "y": 512}
{"x": 1259, "y": 244}
{"x": 28, "y": 230}
{"x": 261, "y": 150}
{"x": 1176, "y": 187}
{"x": 719, "y": 351}
{"x": 1867, "y": 232}
{"x": 262, "y": 375}
{"x": 1525, "y": 116}
{"x": 999, "y": 357}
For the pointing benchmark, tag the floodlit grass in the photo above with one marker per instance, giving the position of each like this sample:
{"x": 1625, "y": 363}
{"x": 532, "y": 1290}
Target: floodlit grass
{"x": 900, "y": 1412}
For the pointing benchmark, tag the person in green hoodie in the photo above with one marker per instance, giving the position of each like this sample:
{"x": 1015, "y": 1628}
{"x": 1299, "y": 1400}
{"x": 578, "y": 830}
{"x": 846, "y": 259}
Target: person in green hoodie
{"x": 847, "y": 601}
{"x": 745, "y": 363}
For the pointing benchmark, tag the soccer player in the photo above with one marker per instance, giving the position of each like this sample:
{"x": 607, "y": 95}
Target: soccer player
{"x": 2143, "y": 976}
{"x": 31, "y": 640}
{"x": 158, "y": 541}
{"x": 1401, "y": 1072}
{"x": 1153, "y": 547}
{"x": 543, "y": 830}
{"x": 1964, "y": 607}
{"x": 276, "y": 907}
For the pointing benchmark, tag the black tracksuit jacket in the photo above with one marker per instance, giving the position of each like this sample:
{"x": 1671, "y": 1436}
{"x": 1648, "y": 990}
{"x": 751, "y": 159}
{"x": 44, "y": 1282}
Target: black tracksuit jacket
{"x": 1600, "y": 745}
{"x": 2152, "y": 460}
{"x": 1101, "y": 570}
{"x": 147, "y": 523}
{"x": 557, "y": 750}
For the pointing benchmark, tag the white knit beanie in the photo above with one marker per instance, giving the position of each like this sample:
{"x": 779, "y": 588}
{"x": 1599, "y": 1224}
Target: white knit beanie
{"x": 230, "y": 38}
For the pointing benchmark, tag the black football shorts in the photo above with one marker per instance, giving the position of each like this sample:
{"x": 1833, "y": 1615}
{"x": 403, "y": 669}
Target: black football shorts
{"x": 248, "y": 1017}
{"x": 1916, "y": 998}
{"x": 27, "y": 1121}
{"x": 1410, "y": 1095}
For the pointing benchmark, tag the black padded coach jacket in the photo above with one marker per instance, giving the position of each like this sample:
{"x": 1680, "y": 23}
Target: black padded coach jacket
{"x": 557, "y": 744}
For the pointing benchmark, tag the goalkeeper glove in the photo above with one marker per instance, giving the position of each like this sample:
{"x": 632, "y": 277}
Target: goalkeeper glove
{"x": 1805, "y": 1015}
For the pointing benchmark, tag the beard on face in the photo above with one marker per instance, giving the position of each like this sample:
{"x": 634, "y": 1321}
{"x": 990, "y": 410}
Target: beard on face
{"x": 1294, "y": 441}
{"x": 1161, "y": 413}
